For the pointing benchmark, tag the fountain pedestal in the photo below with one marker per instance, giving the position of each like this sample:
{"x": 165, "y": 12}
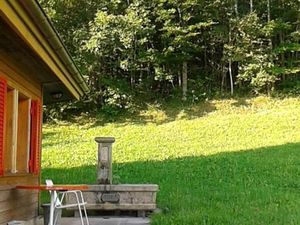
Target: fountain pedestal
{"x": 104, "y": 168}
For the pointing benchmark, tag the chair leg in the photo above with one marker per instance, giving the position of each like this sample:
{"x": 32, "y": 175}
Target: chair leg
{"x": 56, "y": 215}
{"x": 84, "y": 208}
{"x": 79, "y": 209}
{"x": 80, "y": 202}
{"x": 85, "y": 214}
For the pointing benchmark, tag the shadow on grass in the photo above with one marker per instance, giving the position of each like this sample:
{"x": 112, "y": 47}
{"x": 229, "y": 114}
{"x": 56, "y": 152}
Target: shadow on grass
{"x": 165, "y": 112}
{"x": 159, "y": 113}
{"x": 241, "y": 102}
{"x": 49, "y": 134}
{"x": 259, "y": 186}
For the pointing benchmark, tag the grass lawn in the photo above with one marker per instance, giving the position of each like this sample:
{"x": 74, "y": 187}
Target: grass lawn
{"x": 219, "y": 162}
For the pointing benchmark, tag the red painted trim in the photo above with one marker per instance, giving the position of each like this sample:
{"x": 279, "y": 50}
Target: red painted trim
{"x": 35, "y": 136}
{"x": 59, "y": 187}
{"x": 3, "y": 92}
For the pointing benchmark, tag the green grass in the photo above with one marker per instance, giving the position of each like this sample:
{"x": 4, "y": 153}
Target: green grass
{"x": 219, "y": 162}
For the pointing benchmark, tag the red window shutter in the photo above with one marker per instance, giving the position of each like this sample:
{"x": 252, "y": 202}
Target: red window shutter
{"x": 35, "y": 137}
{"x": 3, "y": 91}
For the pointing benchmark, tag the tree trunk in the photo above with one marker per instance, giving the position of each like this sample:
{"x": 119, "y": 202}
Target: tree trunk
{"x": 230, "y": 76}
{"x": 236, "y": 8}
{"x": 270, "y": 39}
{"x": 141, "y": 75}
{"x": 132, "y": 79}
{"x": 282, "y": 58}
{"x": 269, "y": 20}
{"x": 184, "y": 81}
{"x": 223, "y": 79}
{"x": 269, "y": 10}
{"x": 251, "y": 6}
{"x": 179, "y": 78}
{"x": 230, "y": 62}
{"x": 205, "y": 59}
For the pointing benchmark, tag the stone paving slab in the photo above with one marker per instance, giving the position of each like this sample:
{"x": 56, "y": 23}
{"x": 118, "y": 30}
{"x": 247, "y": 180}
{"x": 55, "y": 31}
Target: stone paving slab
{"x": 107, "y": 221}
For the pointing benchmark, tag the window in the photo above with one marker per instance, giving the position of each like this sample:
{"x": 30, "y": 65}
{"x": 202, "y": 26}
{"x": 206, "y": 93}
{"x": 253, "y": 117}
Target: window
{"x": 21, "y": 132}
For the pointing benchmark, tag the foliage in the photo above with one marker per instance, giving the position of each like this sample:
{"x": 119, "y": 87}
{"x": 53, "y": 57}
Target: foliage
{"x": 218, "y": 162}
{"x": 252, "y": 52}
{"x": 144, "y": 44}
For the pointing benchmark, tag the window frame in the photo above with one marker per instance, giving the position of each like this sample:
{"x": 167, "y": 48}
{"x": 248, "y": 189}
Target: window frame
{"x": 25, "y": 132}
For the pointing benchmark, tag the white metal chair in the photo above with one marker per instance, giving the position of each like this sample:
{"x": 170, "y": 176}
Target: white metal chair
{"x": 60, "y": 196}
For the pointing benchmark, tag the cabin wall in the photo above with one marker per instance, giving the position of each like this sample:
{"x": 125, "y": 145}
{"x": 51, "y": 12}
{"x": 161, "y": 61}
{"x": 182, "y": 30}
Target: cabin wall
{"x": 18, "y": 204}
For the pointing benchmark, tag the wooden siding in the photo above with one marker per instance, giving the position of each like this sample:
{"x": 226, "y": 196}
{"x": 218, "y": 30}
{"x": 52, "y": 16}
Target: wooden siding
{"x": 30, "y": 61}
{"x": 18, "y": 204}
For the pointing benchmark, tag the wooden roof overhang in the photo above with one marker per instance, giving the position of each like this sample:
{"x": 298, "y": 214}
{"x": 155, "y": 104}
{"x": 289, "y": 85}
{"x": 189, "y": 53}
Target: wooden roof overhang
{"x": 27, "y": 37}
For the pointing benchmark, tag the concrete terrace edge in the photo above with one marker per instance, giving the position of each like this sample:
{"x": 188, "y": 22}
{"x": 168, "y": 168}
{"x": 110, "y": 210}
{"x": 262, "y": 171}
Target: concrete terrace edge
{"x": 124, "y": 187}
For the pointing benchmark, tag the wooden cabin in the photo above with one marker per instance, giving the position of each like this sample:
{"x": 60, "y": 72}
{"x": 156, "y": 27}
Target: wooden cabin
{"x": 35, "y": 69}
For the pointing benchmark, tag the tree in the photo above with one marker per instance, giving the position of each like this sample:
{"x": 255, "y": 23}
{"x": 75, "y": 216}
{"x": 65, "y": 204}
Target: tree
{"x": 253, "y": 53}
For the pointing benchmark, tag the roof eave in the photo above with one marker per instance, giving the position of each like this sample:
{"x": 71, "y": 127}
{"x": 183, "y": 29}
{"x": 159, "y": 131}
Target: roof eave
{"x": 53, "y": 37}
{"x": 31, "y": 23}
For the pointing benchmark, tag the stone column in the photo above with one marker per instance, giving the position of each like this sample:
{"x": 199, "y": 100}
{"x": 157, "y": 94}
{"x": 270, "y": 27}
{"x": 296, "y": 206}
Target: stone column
{"x": 104, "y": 169}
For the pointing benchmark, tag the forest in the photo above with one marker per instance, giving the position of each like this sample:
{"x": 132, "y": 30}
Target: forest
{"x": 202, "y": 97}
{"x": 187, "y": 50}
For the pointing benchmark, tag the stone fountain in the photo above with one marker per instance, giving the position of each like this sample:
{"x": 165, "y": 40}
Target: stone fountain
{"x": 106, "y": 196}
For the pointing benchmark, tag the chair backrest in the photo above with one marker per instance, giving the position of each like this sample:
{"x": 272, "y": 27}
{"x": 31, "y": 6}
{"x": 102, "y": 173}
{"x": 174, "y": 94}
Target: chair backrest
{"x": 49, "y": 182}
{"x": 57, "y": 200}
